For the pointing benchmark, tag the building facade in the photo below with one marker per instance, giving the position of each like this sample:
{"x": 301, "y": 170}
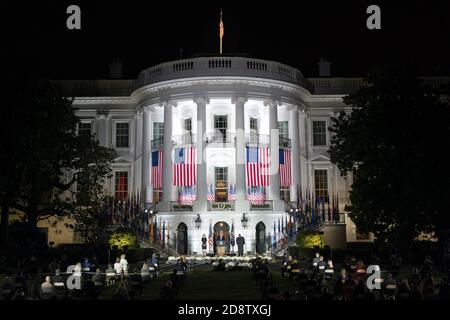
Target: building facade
{"x": 202, "y": 138}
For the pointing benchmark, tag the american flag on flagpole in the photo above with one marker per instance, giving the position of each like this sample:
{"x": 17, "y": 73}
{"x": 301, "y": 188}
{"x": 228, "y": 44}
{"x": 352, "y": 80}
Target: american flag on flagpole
{"x": 184, "y": 168}
{"x": 232, "y": 194}
{"x": 221, "y": 27}
{"x": 157, "y": 169}
{"x": 257, "y": 166}
{"x": 211, "y": 196}
{"x": 285, "y": 168}
{"x": 210, "y": 237}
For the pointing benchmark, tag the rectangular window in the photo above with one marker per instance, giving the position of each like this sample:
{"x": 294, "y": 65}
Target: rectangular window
{"x": 283, "y": 134}
{"x": 221, "y": 126}
{"x": 84, "y": 128}
{"x": 121, "y": 185}
{"x": 122, "y": 134}
{"x": 158, "y": 134}
{"x": 188, "y": 125}
{"x": 221, "y": 175}
{"x": 285, "y": 195}
{"x": 254, "y": 124}
{"x": 283, "y": 129}
{"x": 157, "y": 195}
{"x": 321, "y": 183}
{"x": 319, "y": 133}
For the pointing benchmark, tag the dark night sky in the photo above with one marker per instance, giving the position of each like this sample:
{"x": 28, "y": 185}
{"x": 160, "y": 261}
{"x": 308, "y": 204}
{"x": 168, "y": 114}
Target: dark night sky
{"x": 143, "y": 34}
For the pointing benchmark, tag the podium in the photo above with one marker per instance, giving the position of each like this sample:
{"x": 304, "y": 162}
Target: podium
{"x": 221, "y": 251}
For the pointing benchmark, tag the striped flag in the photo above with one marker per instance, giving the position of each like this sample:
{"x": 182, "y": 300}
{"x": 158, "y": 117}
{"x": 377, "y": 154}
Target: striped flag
{"x": 257, "y": 166}
{"x": 211, "y": 196}
{"x": 184, "y": 168}
{"x": 157, "y": 169}
{"x": 285, "y": 168}
{"x": 210, "y": 237}
{"x": 232, "y": 194}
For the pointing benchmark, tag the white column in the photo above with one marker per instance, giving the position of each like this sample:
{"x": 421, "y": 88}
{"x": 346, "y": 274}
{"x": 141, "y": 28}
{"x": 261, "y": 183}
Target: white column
{"x": 274, "y": 189}
{"x": 241, "y": 204}
{"x": 202, "y": 183}
{"x": 146, "y": 185}
{"x": 169, "y": 191}
{"x": 295, "y": 153}
{"x": 304, "y": 145}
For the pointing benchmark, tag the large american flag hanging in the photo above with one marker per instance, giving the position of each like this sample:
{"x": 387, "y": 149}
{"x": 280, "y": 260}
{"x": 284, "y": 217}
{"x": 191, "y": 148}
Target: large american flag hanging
{"x": 157, "y": 169}
{"x": 257, "y": 166}
{"x": 285, "y": 168}
{"x": 184, "y": 168}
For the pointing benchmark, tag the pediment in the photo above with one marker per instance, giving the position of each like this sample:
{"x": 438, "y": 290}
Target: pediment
{"x": 121, "y": 160}
{"x": 320, "y": 158}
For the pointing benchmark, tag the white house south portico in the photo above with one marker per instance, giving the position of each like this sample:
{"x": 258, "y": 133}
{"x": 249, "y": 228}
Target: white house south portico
{"x": 220, "y": 107}
{"x": 221, "y": 143}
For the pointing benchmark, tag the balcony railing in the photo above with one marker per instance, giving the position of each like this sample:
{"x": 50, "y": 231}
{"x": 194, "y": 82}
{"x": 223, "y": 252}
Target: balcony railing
{"x": 186, "y": 138}
{"x": 285, "y": 142}
{"x": 175, "y": 206}
{"x": 267, "y": 205}
{"x": 220, "y": 206}
{"x": 257, "y": 139}
{"x": 220, "y": 137}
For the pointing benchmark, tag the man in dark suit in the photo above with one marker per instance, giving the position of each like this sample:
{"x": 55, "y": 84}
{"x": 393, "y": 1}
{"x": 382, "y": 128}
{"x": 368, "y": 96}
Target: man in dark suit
{"x": 240, "y": 241}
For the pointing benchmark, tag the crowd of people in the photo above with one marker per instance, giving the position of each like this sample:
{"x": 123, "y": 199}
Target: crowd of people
{"x": 84, "y": 280}
{"x": 320, "y": 279}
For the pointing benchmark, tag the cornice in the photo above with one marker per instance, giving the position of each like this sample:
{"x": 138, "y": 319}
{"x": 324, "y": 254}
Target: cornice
{"x": 102, "y": 100}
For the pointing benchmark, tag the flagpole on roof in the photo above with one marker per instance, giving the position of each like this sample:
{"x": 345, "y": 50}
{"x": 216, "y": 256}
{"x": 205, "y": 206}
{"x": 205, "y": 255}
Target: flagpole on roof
{"x": 221, "y": 31}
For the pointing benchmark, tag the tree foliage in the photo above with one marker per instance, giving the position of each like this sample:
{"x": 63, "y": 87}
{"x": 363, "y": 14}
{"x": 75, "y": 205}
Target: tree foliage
{"x": 394, "y": 143}
{"x": 43, "y": 157}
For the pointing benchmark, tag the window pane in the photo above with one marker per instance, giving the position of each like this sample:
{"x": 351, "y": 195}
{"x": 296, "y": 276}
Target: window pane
{"x": 283, "y": 128}
{"x": 121, "y": 185}
{"x": 221, "y": 174}
{"x": 84, "y": 129}
{"x": 319, "y": 133}
{"x": 254, "y": 124}
{"x": 321, "y": 183}
{"x": 122, "y": 130}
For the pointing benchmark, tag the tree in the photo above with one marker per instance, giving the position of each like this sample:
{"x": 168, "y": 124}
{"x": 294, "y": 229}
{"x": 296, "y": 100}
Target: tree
{"x": 394, "y": 143}
{"x": 43, "y": 157}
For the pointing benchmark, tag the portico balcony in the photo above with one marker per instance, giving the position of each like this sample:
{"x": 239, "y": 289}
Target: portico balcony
{"x": 221, "y": 206}
{"x": 223, "y": 66}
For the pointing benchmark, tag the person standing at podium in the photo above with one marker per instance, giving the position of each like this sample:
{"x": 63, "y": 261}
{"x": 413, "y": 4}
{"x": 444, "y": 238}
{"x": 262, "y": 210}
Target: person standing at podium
{"x": 220, "y": 243}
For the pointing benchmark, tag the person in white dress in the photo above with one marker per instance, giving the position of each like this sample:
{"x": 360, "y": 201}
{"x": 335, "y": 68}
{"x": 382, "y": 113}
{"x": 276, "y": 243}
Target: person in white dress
{"x": 124, "y": 264}
{"x": 118, "y": 267}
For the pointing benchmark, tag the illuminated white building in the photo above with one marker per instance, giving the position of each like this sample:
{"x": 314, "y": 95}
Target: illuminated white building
{"x": 219, "y": 105}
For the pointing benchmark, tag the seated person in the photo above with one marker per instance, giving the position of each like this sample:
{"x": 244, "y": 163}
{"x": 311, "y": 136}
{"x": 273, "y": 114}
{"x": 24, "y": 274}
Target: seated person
{"x": 295, "y": 267}
{"x": 145, "y": 273}
{"x": 321, "y": 264}
{"x": 98, "y": 279}
{"x": 86, "y": 265}
{"x": 316, "y": 260}
{"x": 58, "y": 280}
{"x": 47, "y": 289}
{"x": 110, "y": 275}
